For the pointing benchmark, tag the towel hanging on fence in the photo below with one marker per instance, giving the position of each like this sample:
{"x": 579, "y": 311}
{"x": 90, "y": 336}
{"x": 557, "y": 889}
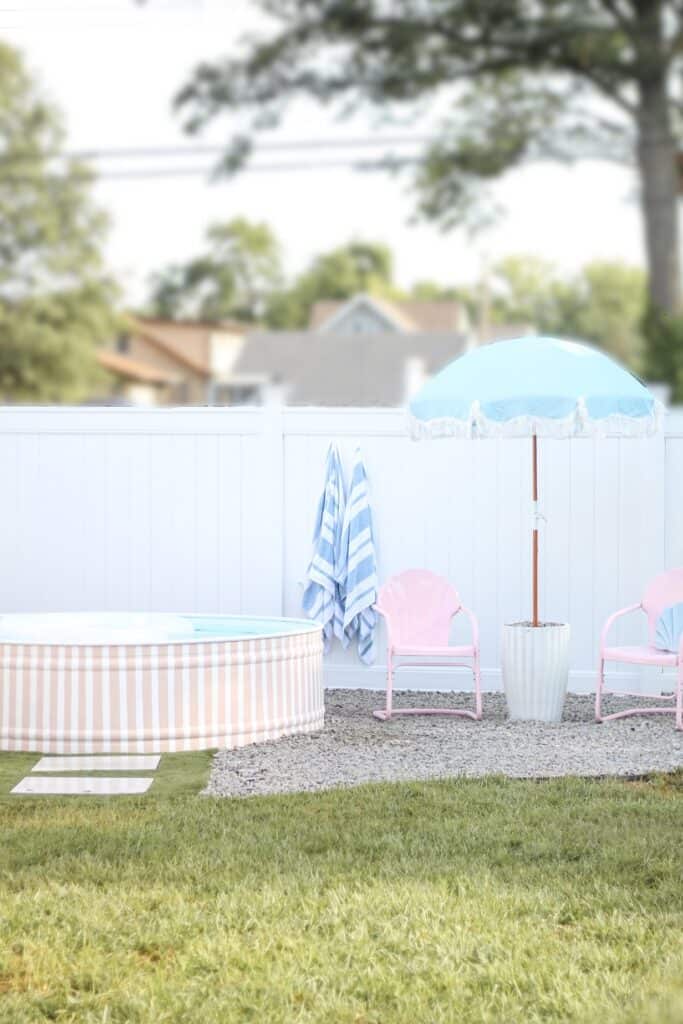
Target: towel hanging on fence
{"x": 322, "y": 597}
{"x": 359, "y": 566}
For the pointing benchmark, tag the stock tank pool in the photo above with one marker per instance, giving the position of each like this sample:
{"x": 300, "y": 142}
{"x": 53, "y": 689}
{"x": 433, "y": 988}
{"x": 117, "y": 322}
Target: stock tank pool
{"x": 81, "y": 683}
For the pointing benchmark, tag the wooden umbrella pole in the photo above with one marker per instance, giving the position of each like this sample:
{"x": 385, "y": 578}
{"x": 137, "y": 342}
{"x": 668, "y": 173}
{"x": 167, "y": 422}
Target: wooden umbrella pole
{"x": 534, "y": 495}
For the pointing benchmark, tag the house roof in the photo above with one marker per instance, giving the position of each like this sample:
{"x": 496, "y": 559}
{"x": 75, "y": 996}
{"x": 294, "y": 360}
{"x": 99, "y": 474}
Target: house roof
{"x": 352, "y": 369}
{"x": 409, "y": 314}
{"x": 187, "y": 341}
{"x": 133, "y": 369}
{"x": 503, "y": 332}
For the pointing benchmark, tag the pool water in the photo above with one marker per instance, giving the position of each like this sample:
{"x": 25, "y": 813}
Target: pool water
{"x": 89, "y": 628}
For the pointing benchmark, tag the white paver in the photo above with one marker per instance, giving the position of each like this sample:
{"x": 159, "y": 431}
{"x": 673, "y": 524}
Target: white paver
{"x": 80, "y": 785}
{"x": 99, "y": 763}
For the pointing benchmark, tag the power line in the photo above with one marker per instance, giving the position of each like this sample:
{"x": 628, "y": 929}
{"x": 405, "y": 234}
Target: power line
{"x": 90, "y": 10}
{"x": 299, "y": 144}
{"x": 161, "y": 151}
{"x": 182, "y": 172}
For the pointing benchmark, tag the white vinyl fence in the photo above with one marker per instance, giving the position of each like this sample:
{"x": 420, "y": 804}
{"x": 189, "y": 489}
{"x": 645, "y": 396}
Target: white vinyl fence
{"x": 212, "y": 510}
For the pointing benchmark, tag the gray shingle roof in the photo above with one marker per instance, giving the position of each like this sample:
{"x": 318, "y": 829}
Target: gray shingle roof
{"x": 333, "y": 369}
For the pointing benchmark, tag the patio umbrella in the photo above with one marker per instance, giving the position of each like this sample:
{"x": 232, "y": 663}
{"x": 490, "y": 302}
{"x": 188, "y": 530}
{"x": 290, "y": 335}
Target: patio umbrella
{"x": 534, "y": 387}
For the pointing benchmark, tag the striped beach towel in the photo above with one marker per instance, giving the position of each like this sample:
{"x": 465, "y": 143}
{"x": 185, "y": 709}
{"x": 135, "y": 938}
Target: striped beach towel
{"x": 359, "y": 567}
{"x": 322, "y": 598}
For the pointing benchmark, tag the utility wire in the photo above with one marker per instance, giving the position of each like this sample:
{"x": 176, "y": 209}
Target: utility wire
{"x": 183, "y": 172}
{"x": 284, "y": 146}
{"x": 152, "y": 152}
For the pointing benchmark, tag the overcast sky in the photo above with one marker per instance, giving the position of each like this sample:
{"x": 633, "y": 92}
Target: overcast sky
{"x": 114, "y": 67}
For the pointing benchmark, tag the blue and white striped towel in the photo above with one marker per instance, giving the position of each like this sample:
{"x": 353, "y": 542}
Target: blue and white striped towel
{"x": 322, "y": 598}
{"x": 359, "y": 566}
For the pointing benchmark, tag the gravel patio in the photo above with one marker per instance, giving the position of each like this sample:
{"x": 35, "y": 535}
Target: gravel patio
{"x": 355, "y": 748}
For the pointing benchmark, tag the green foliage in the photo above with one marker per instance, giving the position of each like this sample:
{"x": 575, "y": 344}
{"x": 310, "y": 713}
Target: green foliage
{"x": 612, "y": 298}
{"x": 604, "y": 303}
{"x": 525, "y": 290}
{"x": 477, "y": 901}
{"x": 233, "y": 278}
{"x": 431, "y": 291}
{"x": 519, "y": 79}
{"x": 497, "y": 123}
{"x": 240, "y": 275}
{"x": 664, "y": 360}
{"x": 55, "y": 302}
{"x": 339, "y": 274}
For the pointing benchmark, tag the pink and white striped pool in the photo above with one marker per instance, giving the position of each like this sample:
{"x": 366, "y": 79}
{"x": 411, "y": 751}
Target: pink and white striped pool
{"x": 114, "y": 683}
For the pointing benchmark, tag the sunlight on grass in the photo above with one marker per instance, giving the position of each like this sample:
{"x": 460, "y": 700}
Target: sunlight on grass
{"x": 469, "y": 901}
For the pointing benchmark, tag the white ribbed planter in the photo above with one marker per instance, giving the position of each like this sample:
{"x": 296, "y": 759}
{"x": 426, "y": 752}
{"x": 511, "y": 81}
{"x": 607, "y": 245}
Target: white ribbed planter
{"x": 535, "y": 670}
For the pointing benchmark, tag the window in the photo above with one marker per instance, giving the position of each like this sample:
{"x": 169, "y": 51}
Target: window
{"x": 238, "y": 394}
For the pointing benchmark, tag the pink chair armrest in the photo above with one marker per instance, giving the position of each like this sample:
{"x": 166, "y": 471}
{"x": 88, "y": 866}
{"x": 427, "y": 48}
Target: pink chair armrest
{"x": 474, "y": 624}
{"x": 612, "y": 619}
{"x": 387, "y": 618}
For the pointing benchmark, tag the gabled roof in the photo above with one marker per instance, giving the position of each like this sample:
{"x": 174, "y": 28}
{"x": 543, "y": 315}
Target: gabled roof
{"x": 187, "y": 344}
{"x": 133, "y": 369}
{"x": 503, "y": 332}
{"x": 186, "y": 341}
{"x": 411, "y": 315}
{"x": 351, "y": 369}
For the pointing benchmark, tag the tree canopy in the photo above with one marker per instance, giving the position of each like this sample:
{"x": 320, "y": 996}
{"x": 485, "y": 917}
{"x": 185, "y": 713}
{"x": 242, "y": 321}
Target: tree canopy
{"x": 55, "y": 300}
{"x": 233, "y": 278}
{"x": 240, "y": 276}
{"x": 519, "y": 79}
{"x": 603, "y": 303}
{"x": 338, "y": 274}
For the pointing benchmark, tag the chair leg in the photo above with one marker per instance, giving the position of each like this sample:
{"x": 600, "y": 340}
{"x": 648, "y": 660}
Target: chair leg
{"x": 679, "y": 697}
{"x": 598, "y": 690}
{"x": 477, "y": 687}
{"x": 390, "y": 684}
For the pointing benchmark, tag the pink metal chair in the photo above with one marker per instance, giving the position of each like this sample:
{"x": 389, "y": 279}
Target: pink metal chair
{"x": 664, "y": 590}
{"x": 418, "y": 607}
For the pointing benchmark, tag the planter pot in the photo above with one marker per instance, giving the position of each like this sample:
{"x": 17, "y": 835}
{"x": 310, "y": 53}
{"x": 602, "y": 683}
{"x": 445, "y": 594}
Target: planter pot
{"x": 535, "y": 670}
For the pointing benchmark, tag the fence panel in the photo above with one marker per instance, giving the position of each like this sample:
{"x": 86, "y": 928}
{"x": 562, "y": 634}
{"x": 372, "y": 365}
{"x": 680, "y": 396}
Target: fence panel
{"x": 212, "y": 510}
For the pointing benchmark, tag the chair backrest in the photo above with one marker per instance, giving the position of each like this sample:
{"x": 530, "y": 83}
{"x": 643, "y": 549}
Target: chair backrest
{"x": 664, "y": 590}
{"x": 421, "y": 606}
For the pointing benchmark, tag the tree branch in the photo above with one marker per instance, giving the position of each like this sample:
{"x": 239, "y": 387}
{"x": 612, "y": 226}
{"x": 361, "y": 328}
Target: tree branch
{"x": 626, "y": 24}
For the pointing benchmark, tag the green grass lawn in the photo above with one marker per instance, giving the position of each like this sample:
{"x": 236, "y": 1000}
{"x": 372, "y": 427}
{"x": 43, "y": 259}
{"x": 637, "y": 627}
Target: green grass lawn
{"x": 463, "y": 901}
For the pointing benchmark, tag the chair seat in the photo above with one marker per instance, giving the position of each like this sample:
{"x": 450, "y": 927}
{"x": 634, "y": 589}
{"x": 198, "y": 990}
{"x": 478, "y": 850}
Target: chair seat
{"x": 643, "y": 655}
{"x": 448, "y": 651}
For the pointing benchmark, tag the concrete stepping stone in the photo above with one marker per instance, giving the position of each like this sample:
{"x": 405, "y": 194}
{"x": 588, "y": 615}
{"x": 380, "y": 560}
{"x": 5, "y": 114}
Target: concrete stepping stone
{"x": 99, "y": 763}
{"x": 80, "y": 785}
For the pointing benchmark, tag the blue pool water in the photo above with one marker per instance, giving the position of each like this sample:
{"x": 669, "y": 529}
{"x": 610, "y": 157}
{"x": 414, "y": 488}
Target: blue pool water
{"x": 211, "y": 627}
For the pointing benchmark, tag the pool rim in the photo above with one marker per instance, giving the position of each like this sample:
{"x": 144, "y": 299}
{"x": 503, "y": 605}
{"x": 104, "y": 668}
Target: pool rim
{"x": 303, "y": 626}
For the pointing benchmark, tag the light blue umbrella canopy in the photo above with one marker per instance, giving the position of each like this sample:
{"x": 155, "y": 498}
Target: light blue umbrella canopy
{"x": 535, "y": 385}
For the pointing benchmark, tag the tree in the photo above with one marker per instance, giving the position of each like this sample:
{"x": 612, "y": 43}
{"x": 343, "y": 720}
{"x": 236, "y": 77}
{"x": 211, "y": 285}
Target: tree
{"x": 338, "y": 274}
{"x": 664, "y": 356}
{"x": 612, "y": 303}
{"x": 526, "y": 289}
{"x": 235, "y": 277}
{"x": 240, "y": 275}
{"x": 604, "y": 303}
{"x": 55, "y": 302}
{"x": 526, "y": 78}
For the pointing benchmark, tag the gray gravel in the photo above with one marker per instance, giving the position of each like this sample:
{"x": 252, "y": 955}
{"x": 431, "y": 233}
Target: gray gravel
{"x": 354, "y": 747}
